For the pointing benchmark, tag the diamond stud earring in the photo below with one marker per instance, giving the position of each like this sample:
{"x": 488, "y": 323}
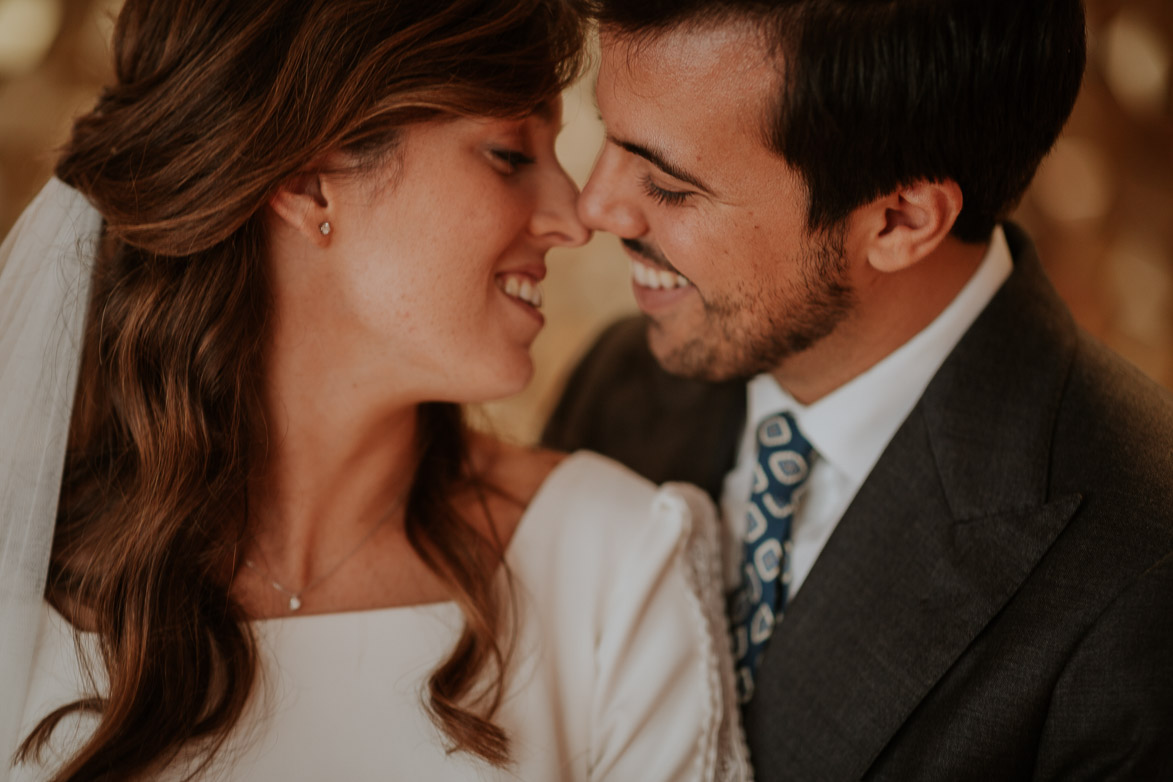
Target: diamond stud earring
{"x": 325, "y": 229}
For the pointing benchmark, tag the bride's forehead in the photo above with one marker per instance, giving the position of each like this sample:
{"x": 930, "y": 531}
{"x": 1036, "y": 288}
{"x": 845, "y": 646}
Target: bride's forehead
{"x": 545, "y": 115}
{"x": 460, "y": 129}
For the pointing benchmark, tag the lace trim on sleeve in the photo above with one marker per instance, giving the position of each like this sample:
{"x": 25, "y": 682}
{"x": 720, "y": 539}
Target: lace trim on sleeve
{"x": 724, "y": 754}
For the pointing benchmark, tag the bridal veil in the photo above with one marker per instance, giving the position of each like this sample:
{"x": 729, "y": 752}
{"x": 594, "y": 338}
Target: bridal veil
{"x": 45, "y": 266}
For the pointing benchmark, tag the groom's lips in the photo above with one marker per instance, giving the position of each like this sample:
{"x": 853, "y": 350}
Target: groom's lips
{"x": 649, "y": 254}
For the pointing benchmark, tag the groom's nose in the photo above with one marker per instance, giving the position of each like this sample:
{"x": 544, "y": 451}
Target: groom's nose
{"x": 610, "y": 200}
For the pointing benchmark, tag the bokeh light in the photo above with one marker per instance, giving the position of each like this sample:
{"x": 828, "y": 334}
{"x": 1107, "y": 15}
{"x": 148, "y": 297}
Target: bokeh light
{"x": 1075, "y": 182}
{"x": 1141, "y": 287}
{"x": 1136, "y": 61}
{"x": 27, "y": 31}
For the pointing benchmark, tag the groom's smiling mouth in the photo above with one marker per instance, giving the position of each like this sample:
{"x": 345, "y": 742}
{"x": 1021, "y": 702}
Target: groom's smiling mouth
{"x": 652, "y": 271}
{"x": 657, "y": 279}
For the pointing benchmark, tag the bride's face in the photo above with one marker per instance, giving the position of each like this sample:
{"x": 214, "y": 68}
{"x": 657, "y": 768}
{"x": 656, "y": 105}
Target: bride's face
{"x": 437, "y": 257}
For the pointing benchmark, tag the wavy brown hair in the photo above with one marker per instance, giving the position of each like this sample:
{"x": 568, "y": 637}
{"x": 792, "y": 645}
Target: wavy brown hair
{"x": 216, "y": 104}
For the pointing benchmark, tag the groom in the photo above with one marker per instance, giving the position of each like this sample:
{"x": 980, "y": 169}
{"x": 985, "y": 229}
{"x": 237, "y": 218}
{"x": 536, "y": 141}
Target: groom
{"x": 950, "y": 511}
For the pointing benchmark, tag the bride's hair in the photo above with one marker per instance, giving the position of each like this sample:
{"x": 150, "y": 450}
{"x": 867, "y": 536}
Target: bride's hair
{"x": 216, "y": 103}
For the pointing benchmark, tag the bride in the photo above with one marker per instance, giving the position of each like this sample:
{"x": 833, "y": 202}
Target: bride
{"x": 284, "y": 247}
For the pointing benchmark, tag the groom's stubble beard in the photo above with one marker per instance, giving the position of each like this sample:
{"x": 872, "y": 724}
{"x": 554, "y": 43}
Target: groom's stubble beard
{"x": 757, "y": 326}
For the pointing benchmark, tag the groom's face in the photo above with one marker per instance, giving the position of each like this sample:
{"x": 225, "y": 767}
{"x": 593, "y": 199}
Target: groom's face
{"x": 714, "y": 221}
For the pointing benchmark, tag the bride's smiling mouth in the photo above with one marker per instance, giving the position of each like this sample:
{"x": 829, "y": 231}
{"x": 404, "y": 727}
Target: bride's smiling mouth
{"x": 521, "y": 287}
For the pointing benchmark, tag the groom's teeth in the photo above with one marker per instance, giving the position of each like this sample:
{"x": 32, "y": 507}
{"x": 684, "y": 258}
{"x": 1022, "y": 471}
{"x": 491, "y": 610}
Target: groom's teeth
{"x": 657, "y": 279}
{"x": 640, "y": 273}
{"x": 521, "y": 287}
{"x": 651, "y": 278}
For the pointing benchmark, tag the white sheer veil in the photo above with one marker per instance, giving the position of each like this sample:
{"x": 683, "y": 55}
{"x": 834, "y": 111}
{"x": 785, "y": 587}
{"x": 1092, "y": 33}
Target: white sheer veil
{"x": 45, "y": 267}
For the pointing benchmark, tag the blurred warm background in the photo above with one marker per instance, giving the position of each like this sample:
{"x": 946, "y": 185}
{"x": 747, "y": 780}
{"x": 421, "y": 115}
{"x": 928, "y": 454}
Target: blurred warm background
{"x": 1101, "y": 208}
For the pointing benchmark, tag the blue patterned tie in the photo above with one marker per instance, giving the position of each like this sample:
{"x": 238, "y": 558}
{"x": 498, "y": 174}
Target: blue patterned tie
{"x": 781, "y": 470}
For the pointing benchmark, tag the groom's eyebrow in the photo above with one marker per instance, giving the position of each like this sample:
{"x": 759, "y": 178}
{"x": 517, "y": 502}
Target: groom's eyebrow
{"x": 660, "y": 161}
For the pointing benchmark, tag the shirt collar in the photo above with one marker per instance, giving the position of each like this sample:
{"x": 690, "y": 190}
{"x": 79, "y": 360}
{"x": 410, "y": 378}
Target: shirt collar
{"x": 851, "y": 426}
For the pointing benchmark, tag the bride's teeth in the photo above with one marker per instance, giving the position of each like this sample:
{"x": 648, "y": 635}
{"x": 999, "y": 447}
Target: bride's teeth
{"x": 682, "y": 281}
{"x": 522, "y": 288}
{"x": 667, "y": 280}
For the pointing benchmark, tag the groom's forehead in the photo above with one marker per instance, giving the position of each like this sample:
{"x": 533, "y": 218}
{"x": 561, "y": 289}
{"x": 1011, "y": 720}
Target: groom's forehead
{"x": 683, "y": 49}
{"x": 688, "y": 59}
{"x": 721, "y": 78}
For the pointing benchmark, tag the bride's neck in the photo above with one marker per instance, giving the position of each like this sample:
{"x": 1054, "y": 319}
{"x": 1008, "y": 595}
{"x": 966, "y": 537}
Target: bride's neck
{"x": 336, "y": 457}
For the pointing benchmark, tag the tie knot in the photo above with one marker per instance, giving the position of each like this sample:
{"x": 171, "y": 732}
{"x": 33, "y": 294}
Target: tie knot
{"x": 780, "y": 431}
{"x": 783, "y": 452}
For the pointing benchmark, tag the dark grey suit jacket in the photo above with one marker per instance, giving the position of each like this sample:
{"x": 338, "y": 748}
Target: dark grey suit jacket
{"x": 997, "y": 602}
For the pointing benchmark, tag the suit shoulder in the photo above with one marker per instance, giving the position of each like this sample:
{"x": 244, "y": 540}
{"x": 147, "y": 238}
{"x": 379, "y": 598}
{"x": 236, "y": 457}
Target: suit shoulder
{"x": 627, "y": 336}
{"x": 1113, "y": 445}
{"x": 616, "y": 358}
{"x": 620, "y": 349}
{"x": 620, "y": 402}
{"x": 1118, "y": 422}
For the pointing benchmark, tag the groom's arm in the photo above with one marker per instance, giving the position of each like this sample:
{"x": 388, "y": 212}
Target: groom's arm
{"x": 620, "y": 403}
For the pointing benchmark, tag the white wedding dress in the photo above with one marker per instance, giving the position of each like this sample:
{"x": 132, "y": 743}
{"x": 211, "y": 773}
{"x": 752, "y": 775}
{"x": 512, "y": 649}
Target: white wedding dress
{"x": 621, "y": 671}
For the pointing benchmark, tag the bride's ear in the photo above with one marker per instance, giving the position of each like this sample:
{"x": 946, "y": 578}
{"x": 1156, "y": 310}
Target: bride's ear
{"x": 301, "y": 203}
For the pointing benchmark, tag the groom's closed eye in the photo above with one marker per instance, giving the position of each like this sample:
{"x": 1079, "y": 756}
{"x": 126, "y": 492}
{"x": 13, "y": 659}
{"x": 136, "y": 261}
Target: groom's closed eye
{"x": 662, "y": 162}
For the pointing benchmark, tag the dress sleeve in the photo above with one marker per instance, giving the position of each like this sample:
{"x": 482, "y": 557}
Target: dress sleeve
{"x": 664, "y": 709}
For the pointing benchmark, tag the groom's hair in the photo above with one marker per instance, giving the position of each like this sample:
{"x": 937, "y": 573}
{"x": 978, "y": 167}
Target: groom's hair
{"x": 877, "y": 94}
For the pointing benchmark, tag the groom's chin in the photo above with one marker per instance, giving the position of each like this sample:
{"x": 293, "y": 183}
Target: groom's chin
{"x": 692, "y": 356}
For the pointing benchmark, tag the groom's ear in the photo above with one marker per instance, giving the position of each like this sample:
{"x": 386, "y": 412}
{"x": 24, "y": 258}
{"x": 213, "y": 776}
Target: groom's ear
{"x": 906, "y": 226}
{"x": 301, "y": 203}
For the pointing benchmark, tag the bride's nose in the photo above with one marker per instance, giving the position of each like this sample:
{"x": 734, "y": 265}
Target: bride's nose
{"x": 555, "y": 219}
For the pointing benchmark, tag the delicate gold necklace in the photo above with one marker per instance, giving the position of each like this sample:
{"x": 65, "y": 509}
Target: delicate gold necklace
{"x": 295, "y": 595}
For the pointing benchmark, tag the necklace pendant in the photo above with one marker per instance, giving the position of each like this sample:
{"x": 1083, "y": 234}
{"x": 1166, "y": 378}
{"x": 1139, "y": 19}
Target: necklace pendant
{"x": 294, "y": 603}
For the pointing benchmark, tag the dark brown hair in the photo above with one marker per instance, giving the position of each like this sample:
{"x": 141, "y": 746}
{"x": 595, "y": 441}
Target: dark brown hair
{"x": 878, "y": 94}
{"x": 216, "y": 103}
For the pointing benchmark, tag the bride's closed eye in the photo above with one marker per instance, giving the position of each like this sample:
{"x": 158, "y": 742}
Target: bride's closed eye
{"x": 510, "y": 160}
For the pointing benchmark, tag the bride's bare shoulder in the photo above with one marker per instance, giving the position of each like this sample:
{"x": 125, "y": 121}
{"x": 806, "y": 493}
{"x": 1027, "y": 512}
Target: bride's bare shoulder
{"x": 509, "y": 476}
{"x": 517, "y": 471}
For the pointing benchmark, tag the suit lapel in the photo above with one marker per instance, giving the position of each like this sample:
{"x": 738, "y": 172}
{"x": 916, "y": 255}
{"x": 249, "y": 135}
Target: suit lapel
{"x": 944, "y": 531}
{"x": 899, "y": 592}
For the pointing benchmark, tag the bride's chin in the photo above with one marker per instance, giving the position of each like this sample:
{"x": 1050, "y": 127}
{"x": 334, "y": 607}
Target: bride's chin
{"x": 511, "y": 376}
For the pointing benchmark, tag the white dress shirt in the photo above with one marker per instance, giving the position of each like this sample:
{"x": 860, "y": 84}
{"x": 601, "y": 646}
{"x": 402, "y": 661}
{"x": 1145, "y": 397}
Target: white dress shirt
{"x": 850, "y": 427}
